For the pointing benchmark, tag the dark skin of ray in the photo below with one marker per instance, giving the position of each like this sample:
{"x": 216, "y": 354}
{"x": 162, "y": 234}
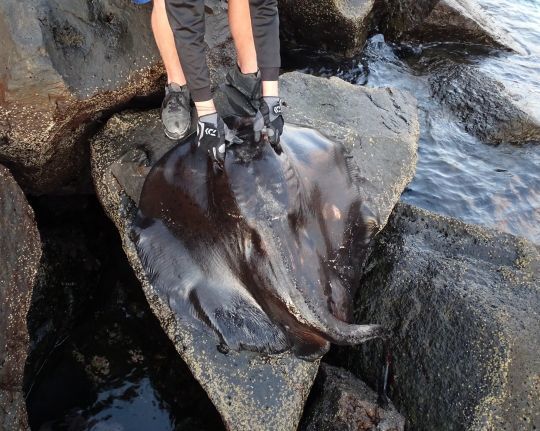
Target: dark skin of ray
{"x": 253, "y": 251}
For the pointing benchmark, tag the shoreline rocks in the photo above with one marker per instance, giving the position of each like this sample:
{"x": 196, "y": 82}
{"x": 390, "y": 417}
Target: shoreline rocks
{"x": 68, "y": 65}
{"x": 75, "y": 237}
{"x": 251, "y": 390}
{"x": 338, "y": 26}
{"x": 342, "y": 27}
{"x": 483, "y": 105}
{"x": 462, "y": 303}
{"x": 20, "y": 254}
{"x": 344, "y": 402}
{"x": 445, "y": 21}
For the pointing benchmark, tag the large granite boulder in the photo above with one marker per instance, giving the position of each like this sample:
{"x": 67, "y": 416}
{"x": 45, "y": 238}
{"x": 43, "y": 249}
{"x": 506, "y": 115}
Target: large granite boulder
{"x": 342, "y": 402}
{"x": 64, "y": 64}
{"x": 483, "y": 106}
{"x": 343, "y": 26}
{"x": 20, "y": 253}
{"x": 338, "y": 26}
{"x": 462, "y": 303}
{"x": 252, "y": 391}
{"x": 444, "y": 20}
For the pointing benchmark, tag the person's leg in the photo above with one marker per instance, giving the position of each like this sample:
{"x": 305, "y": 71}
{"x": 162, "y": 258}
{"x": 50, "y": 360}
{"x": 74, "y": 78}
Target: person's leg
{"x": 255, "y": 30}
{"x": 186, "y": 18}
{"x": 265, "y": 25}
{"x": 256, "y": 37}
{"x": 165, "y": 42}
{"x": 241, "y": 31}
{"x": 176, "y": 105}
{"x": 245, "y": 77}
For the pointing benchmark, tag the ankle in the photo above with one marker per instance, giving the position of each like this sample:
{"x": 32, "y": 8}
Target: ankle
{"x": 209, "y": 118}
{"x": 270, "y": 88}
{"x": 181, "y": 81}
{"x": 248, "y": 68}
{"x": 205, "y": 108}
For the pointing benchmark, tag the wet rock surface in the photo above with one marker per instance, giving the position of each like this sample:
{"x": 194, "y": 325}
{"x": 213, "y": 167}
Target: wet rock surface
{"x": 462, "y": 303}
{"x": 341, "y": 401}
{"x": 483, "y": 105}
{"x": 342, "y": 27}
{"x": 240, "y": 384}
{"x": 337, "y": 26}
{"x": 20, "y": 253}
{"x": 68, "y": 63}
{"x": 378, "y": 126}
{"x": 445, "y": 21}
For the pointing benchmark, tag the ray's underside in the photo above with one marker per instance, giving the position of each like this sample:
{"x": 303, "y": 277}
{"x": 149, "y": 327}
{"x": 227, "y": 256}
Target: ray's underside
{"x": 263, "y": 254}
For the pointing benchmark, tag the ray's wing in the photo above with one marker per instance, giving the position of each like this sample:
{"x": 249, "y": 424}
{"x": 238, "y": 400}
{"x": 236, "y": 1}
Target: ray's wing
{"x": 186, "y": 240}
{"x": 339, "y": 226}
{"x": 305, "y": 208}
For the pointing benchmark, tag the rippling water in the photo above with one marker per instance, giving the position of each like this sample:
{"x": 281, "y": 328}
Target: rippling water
{"x": 519, "y": 73}
{"x": 457, "y": 175}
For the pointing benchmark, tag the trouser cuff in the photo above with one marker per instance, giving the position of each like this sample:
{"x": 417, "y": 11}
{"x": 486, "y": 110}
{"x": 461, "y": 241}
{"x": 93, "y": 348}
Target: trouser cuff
{"x": 201, "y": 94}
{"x": 269, "y": 73}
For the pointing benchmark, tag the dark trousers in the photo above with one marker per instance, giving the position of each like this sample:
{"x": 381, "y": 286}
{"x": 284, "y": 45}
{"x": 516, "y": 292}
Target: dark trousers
{"x": 187, "y": 21}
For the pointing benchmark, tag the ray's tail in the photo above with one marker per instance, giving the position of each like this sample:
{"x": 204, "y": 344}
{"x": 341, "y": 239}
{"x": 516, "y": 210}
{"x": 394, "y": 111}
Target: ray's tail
{"x": 338, "y": 332}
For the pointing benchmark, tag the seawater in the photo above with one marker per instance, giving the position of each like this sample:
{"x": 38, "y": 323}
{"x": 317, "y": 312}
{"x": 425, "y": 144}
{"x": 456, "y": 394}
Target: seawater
{"x": 457, "y": 174}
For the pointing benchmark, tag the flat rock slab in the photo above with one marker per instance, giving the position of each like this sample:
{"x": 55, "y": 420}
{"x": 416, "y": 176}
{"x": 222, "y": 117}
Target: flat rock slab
{"x": 483, "y": 106}
{"x": 340, "y": 26}
{"x": 446, "y": 20}
{"x": 63, "y": 64}
{"x": 462, "y": 302}
{"x": 20, "y": 253}
{"x": 253, "y": 391}
{"x": 346, "y": 403}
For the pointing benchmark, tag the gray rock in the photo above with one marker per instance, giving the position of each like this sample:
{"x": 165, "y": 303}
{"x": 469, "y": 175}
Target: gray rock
{"x": 445, "y": 20}
{"x": 20, "y": 253}
{"x": 462, "y": 302}
{"x": 378, "y": 125}
{"x": 483, "y": 105}
{"x": 345, "y": 403}
{"x": 251, "y": 391}
{"x": 66, "y": 63}
{"x": 338, "y": 26}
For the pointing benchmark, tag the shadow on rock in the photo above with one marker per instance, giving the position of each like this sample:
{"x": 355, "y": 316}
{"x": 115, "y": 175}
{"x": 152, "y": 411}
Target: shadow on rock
{"x": 99, "y": 358}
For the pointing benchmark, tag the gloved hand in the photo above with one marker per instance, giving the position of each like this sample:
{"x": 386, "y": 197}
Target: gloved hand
{"x": 211, "y": 137}
{"x": 270, "y": 110}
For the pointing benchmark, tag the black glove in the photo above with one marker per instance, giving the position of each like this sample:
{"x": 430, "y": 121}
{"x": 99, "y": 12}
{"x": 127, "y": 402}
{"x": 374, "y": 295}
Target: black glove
{"x": 211, "y": 136}
{"x": 270, "y": 110}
